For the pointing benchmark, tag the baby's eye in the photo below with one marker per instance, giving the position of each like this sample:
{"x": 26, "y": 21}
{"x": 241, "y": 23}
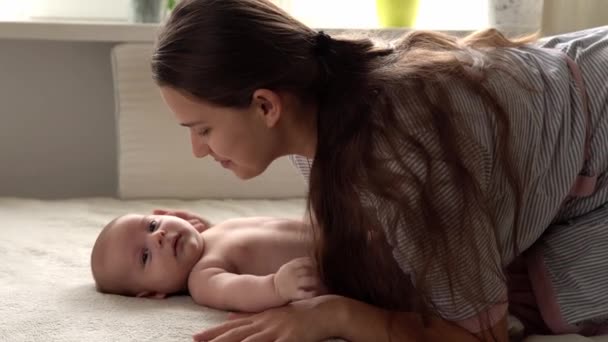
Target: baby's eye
{"x": 153, "y": 225}
{"x": 145, "y": 256}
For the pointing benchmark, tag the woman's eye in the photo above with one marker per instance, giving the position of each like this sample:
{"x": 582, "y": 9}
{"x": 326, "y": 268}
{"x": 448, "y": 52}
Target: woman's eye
{"x": 204, "y": 132}
{"x": 145, "y": 256}
{"x": 153, "y": 225}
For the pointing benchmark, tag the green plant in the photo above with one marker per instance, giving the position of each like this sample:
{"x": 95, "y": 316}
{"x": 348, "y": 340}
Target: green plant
{"x": 171, "y": 4}
{"x": 397, "y": 13}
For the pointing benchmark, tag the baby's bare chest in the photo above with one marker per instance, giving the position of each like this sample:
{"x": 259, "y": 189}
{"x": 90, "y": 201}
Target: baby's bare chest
{"x": 260, "y": 251}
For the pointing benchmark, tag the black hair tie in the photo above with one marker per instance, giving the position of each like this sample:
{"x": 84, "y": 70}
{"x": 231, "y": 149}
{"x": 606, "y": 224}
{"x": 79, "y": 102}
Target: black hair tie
{"x": 322, "y": 44}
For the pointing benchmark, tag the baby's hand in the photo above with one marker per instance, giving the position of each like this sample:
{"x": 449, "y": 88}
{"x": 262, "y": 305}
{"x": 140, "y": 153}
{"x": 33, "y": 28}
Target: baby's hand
{"x": 297, "y": 280}
{"x": 199, "y": 223}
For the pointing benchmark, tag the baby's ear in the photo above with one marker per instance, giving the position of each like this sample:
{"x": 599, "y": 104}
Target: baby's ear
{"x": 153, "y": 295}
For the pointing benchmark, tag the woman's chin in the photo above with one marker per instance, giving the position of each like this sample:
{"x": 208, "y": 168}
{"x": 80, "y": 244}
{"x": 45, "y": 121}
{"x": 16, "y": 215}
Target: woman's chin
{"x": 245, "y": 174}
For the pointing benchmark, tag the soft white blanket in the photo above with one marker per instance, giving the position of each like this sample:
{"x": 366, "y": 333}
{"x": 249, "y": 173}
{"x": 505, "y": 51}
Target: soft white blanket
{"x": 46, "y": 290}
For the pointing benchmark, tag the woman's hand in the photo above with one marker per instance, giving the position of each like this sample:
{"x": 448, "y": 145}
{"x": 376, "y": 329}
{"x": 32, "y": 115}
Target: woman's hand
{"x": 324, "y": 317}
{"x": 199, "y": 223}
{"x": 310, "y": 320}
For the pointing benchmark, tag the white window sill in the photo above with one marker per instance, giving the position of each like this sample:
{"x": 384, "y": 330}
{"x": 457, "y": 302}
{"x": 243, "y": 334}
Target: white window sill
{"x": 78, "y": 31}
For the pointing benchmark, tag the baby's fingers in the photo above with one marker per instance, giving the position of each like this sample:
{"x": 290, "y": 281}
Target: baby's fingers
{"x": 306, "y": 271}
{"x": 305, "y": 294}
{"x": 303, "y": 262}
{"x": 308, "y": 282}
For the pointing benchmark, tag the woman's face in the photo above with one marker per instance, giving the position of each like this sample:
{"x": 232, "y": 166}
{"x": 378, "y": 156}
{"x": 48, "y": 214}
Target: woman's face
{"x": 244, "y": 141}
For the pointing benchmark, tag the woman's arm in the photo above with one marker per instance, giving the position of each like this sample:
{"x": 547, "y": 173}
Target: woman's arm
{"x": 331, "y": 316}
{"x": 360, "y": 322}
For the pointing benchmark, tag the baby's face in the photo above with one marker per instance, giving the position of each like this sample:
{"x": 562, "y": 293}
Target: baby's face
{"x": 152, "y": 255}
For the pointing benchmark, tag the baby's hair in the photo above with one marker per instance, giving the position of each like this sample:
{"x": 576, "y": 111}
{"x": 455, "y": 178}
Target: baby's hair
{"x": 102, "y": 284}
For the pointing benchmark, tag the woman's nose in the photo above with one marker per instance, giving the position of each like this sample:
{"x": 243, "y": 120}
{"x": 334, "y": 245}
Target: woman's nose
{"x": 200, "y": 149}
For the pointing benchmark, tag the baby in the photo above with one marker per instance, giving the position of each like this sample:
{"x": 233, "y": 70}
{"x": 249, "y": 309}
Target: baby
{"x": 247, "y": 264}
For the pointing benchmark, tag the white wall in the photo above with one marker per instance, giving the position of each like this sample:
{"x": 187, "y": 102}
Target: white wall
{"x": 568, "y": 15}
{"x": 57, "y": 134}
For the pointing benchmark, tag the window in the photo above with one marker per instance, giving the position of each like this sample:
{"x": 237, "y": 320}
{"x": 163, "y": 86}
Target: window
{"x": 454, "y": 15}
{"x": 95, "y": 10}
{"x": 79, "y": 9}
{"x": 433, "y": 14}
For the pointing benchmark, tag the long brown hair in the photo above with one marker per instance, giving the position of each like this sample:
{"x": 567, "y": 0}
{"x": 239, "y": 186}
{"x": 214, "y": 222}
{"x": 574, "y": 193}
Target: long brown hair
{"x": 223, "y": 50}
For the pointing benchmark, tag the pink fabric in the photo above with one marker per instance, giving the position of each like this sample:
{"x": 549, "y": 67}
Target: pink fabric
{"x": 522, "y": 302}
{"x": 489, "y": 317}
{"x": 545, "y": 294}
{"x": 585, "y": 182}
{"x": 547, "y": 303}
{"x": 532, "y": 292}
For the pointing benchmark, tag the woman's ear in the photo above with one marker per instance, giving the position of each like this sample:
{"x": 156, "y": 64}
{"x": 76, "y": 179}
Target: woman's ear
{"x": 268, "y": 105}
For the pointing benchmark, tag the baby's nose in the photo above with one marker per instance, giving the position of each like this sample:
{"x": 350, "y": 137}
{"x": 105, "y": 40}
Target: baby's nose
{"x": 159, "y": 236}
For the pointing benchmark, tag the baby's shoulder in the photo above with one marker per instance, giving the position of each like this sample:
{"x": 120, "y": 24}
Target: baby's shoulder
{"x": 213, "y": 260}
{"x": 199, "y": 285}
{"x": 248, "y": 222}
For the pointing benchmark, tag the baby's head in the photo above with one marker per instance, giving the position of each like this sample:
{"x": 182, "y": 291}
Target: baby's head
{"x": 145, "y": 256}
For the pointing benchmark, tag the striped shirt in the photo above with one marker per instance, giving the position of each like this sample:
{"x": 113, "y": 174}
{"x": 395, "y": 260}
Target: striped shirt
{"x": 550, "y": 127}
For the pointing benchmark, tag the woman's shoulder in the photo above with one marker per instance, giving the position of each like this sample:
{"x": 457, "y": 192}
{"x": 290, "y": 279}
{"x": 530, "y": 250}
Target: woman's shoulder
{"x": 575, "y": 40}
{"x": 302, "y": 164}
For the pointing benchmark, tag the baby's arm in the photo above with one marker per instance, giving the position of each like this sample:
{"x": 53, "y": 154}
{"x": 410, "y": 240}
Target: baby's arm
{"x": 214, "y": 287}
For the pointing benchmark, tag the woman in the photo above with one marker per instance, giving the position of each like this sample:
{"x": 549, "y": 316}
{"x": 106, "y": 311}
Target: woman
{"x": 433, "y": 163}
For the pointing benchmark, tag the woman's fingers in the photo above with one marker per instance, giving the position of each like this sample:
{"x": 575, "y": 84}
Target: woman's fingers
{"x": 238, "y": 315}
{"x": 220, "y": 330}
{"x": 259, "y": 337}
{"x": 186, "y": 215}
{"x": 171, "y": 212}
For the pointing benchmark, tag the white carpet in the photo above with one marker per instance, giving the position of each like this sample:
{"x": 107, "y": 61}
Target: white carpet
{"x": 46, "y": 290}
